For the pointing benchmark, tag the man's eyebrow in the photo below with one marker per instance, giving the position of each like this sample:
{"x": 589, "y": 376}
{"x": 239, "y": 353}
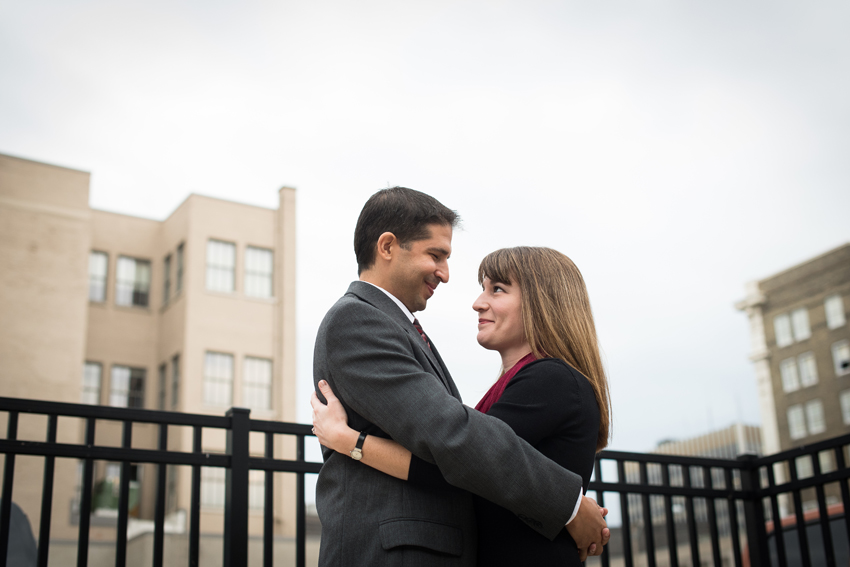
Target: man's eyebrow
{"x": 442, "y": 251}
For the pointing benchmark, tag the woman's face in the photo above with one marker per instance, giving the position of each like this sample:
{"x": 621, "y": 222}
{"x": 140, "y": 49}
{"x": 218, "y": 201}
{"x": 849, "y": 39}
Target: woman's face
{"x": 499, "y": 310}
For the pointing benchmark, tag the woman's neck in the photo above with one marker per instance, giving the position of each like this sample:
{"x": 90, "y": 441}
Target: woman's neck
{"x": 511, "y": 356}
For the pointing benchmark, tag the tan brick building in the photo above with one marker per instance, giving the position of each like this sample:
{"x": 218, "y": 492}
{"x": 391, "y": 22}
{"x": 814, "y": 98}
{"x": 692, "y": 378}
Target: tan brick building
{"x": 801, "y": 350}
{"x": 195, "y": 313}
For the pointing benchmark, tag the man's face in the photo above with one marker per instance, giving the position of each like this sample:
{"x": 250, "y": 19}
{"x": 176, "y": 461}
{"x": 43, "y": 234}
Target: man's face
{"x": 414, "y": 274}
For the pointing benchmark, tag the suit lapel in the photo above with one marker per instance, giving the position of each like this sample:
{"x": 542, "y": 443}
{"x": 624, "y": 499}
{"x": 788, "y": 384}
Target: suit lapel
{"x": 379, "y": 299}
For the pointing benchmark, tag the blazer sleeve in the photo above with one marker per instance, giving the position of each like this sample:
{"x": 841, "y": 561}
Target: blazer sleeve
{"x": 372, "y": 368}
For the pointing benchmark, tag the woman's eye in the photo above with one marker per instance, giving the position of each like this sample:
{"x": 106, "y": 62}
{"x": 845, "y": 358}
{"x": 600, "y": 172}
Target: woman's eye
{"x": 497, "y": 288}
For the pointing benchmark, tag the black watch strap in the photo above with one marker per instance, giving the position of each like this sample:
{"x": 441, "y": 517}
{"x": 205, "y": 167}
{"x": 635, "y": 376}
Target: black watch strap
{"x": 357, "y": 452}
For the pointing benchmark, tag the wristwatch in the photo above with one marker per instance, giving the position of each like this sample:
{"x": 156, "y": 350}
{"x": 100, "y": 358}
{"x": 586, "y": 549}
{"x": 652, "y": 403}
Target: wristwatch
{"x": 357, "y": 452}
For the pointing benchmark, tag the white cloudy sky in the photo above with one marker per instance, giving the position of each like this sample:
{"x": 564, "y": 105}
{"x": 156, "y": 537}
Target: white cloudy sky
{"x": 674, "y": 150}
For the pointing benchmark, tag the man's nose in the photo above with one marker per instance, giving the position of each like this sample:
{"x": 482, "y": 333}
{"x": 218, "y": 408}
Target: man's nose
{"x": 443, "y": 273}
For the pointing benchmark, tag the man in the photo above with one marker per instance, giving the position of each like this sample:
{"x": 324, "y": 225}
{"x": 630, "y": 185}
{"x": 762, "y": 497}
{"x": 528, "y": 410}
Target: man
{"x": 392, "y": 382}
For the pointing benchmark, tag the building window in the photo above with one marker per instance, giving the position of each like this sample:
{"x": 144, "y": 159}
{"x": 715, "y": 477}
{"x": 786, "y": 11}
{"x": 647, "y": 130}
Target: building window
{"x": 841, "y": 357}
{"x": 814, "y": 417}
{"x": 166, "y": 282}
{"x": 844, "y": 398}
{"x": 98, "y": 268}
{"x": 127, "y": 387}
{"x": 796, "y": 422}
{"x": 221, "y": 264}
{"x": 133, "y": 282}
{"x": 175, "y": 381}
{"x": 178, "y": 276}
{"x": 256, "y": 489}
{"x": 218, "y": 379}
{"x": 91, "y": 383}
{"x": 212, "y": 487}
{"x": 800, "y": 323}
{"x": 782, "y": 327}
{"x": 834, "y": 307}
{"x": 257, "y": 383}
{"x": 808, "y": 369}
{"x": 163, "y": 375}
{"x": 790, "y": 377}
{"x": 259, "y": 266}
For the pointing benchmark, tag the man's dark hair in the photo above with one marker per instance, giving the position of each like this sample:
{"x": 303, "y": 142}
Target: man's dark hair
{"x": 404, "y": 212}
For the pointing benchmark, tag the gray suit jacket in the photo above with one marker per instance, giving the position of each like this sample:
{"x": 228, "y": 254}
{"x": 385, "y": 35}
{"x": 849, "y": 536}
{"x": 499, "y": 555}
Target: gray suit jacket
{"x": 393, "y": 385}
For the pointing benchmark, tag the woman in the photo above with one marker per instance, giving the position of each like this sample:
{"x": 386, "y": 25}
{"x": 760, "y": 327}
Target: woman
{"x": 534, "y": 310}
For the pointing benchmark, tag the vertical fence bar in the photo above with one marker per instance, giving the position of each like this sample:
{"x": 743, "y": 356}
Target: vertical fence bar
{"x": 85, "y": 499}
{"x": 236, "y": 489}
{"x": 800, "y": 518}
{"x": 47, "y": 495}
{"x": 600, "y": 497}
{"x": 845, "y": 490}
{"x": 778, "y": 532}
{"x": 693, "y": 536}
{"x": 300, "y": 510}
{"x": 753, "y": 511}
{"x": 8, "y": 480}
{"x": 159, "y": 511}
{"x": 268, "y": 507}
{"x": 712, "y": 518}
{"x": 828, "y": 548}
{"x": 669, "y": 519}
{"x": 649, "y": 537}
{"x": 732, "y": 506}
{"x": 123, "y": 498}
{"x": 195, "y": 504}
{"x": 624, "y": 511}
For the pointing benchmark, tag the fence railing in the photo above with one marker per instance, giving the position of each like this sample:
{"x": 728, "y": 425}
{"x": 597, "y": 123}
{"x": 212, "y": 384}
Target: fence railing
{"x": 237, "y": 463}
{"x": 747, "y": 512}
{"x": 675, "y": 511}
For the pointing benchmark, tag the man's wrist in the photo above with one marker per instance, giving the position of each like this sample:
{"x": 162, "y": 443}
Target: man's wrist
{"x": 575, "y": 510}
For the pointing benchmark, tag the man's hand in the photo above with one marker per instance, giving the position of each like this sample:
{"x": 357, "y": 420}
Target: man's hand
{"x": 589, "y": 529}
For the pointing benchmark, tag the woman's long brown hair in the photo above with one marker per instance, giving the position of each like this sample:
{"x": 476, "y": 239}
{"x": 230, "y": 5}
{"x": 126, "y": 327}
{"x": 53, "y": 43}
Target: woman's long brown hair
{"x": 556, "y": 314}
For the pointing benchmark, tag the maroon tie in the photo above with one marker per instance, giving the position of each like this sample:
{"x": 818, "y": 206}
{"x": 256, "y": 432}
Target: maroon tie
{"x": 421, "y": 332}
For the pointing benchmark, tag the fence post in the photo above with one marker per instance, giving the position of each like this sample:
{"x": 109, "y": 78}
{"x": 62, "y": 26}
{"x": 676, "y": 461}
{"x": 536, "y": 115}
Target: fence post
{"x": 753, "y": 511}
{"x": 236, "y": 489}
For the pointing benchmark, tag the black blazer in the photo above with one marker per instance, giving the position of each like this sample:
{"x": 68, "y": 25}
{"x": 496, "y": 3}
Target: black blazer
{"x": 553, "y": 407}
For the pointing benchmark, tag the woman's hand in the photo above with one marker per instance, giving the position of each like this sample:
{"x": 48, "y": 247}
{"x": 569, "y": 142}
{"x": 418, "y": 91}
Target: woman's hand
{"x": 330, "y": 422}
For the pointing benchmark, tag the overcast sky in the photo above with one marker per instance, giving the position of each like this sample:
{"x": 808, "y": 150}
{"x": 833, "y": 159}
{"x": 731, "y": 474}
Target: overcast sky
{"x": 674, "y": 150}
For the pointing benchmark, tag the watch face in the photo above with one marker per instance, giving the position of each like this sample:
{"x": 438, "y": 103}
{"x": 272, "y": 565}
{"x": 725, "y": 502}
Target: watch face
{"x": 356, "y": 454}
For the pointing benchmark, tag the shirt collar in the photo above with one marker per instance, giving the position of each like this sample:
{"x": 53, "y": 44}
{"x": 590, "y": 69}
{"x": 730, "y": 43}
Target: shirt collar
{"x": 401, "y": 305}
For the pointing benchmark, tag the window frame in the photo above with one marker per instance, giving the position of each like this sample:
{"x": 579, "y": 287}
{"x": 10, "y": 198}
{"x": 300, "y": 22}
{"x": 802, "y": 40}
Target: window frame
{"x": 783, "y": 332}
{"x": 137, "y": 290}
{"x": 132, "y": 397}
{"x": 210, "y": 381}
{"x": 836, "y": 346}
{"x": 833, "y": 307}
{"x": 105, "y": 283}
{"x": 166, "y": 279}
{"x": 252, "y": 388}
{"x": 253, "y": 276}
{"x": 84, "y": 388}
{"x": 218, "y": 272}
{"x": 796, "y": 416}
{"x": 812, "y": 426}
{"x": 800, "y": 325}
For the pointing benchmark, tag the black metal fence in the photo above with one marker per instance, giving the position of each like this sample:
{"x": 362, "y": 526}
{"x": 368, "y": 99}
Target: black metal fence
{"x": 785, "y": 510}
{"x": 237, "y": 462}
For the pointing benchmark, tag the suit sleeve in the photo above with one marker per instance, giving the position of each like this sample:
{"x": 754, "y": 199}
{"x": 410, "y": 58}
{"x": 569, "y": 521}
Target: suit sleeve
{"x": 373, "y": 370}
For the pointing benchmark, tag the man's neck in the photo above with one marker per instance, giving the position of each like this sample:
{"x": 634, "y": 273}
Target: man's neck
{"x": 408, "y": 313}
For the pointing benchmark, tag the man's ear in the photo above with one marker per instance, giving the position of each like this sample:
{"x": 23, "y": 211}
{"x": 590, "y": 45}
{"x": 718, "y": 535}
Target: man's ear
{"x": 387, "y": 243}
